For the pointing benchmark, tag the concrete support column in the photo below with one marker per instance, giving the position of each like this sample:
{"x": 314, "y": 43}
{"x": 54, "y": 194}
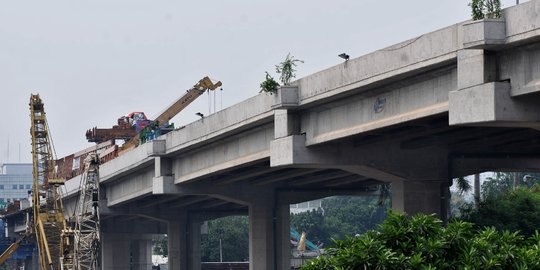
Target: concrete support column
{"x": 163, "y": 167}
{"x": 261, "y": 240}
{"x": 411, "y": 197}
{"x": 283, "y": 237}
{"x": 115, "y": 249}
{"x": 475, "y": 67}
{"x": 285, "y": 123}
{"x": 176, "y": 234}
{"x": 141, "y": 254}
{"x": 194, "y": 252}
{"x": 269, "y": 236}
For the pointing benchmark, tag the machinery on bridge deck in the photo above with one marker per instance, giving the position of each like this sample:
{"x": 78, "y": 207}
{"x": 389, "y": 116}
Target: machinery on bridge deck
{"x": 135, "y": 128}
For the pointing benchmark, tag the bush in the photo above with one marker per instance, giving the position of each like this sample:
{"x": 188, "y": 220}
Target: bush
{"x": 421, "y": 242}
{"x": 514, "y": 210}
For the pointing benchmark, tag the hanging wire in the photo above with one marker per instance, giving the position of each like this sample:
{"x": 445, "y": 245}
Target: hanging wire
{"x": 209, "y": 102}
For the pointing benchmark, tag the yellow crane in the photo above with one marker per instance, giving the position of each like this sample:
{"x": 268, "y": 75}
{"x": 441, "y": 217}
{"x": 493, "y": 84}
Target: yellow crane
{"x": 59, "y": 247}
{"x": 129, "y": 127}
{"x": 51, "y": 233}
{"x": 12, "y": 248}
{"x": 203, "y": 85}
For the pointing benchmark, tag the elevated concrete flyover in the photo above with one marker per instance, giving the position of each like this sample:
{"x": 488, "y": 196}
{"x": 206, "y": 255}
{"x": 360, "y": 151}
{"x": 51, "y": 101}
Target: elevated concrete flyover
{"x": 458, "y": 101}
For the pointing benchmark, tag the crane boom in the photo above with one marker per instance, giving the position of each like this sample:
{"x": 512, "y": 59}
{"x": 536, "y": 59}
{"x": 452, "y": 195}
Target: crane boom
{"x": 48, "y": 216}
{"x": 12, "y": 248}
{"x": 198, "y": 89}
{"x": 193, "y": 93}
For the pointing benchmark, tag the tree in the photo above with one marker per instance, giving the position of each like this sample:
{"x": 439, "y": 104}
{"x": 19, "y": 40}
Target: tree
{"x": 312, "y": 223}
{"x": 421, "y": 242}
{"x": 233, "y": 232}
{"x": 160, "y": 245}
{"x": 339, "y": 216}
{"x": 511, "y": 209}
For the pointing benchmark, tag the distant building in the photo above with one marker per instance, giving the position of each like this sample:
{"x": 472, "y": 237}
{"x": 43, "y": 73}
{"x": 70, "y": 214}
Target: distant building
{"x": 305, "y": 206}
{"x": 15, "y": 182}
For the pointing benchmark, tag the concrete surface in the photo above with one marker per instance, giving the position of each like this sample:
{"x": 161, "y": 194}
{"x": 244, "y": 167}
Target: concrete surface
{"x": 413, "y": 115}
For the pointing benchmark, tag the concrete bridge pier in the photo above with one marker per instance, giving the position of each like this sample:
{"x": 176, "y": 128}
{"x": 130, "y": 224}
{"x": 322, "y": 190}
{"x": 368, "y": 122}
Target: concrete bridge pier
{"x": 414, "y": 197}
{"x": 269, "y": 235}
{"x": 194, "y": 244}
{"x": 115, "y": 250}
{"x": 141, "y": 254}
{"x": 126, "y": 251}
{"x": 177, "y": 239}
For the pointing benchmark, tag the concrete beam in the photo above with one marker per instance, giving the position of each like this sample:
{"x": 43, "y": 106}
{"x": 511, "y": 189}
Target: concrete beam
{"x": 386, "y": 162}
{"x": 239, "y": 193}
{"x": 491, "y": 104}
{"x": 468, "y": 165}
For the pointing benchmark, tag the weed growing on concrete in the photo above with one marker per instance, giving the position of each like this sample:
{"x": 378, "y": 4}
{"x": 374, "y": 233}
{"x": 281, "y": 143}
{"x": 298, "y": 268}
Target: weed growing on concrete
{"x": 485, "y": 9}
{"x": 269, "y": 85}
{"x": 286, "y": 69}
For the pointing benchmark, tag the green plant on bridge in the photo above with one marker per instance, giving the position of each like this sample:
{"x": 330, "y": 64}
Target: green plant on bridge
{"x": 269, "y": 85}
{"x": 485, "y": 9}
{"x": 286, "y": 69}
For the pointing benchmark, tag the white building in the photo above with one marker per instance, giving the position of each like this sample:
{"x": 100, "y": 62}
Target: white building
{"x": 306, "y": 206}
{"x": 15, "y": 182}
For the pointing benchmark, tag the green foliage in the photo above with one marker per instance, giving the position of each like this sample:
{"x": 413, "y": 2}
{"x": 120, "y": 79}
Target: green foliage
{"x": 286, "y": 69}
{"x": 511, "y": 210}
{"x": 234, "y": 234}
{"x": 160, "y": 246}
{"x": 463, "y": 185}
{"x": 421, "y": 242}
{"x": 312, "y": 223}
{"x": 269, "y": 85}
{"x": 482, "y": 9}
{"x": 493, "y": 9}
{"x": 342, "y": 216}
{"x": 477, "y": 9}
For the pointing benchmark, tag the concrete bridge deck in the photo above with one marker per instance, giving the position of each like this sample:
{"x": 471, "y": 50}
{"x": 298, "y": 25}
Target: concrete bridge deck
{"x": 457, "y": 101}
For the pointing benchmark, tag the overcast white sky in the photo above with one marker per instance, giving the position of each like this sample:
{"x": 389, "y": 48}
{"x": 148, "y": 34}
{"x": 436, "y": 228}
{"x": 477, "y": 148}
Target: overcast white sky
{"x": 93, "y": 61}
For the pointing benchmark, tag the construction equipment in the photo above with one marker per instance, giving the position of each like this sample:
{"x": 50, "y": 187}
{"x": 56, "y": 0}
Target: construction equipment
{"x": 136, "y": 123}
{"x": 51, "y": 233}
{"x": 86, "y": 233}
{"x": 124, "y": 130}
{"x": 12, "y": 248}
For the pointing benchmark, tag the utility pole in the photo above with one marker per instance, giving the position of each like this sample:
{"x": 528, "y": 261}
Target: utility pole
{"x": 477, "y": 188}
{"x": 220, "y": 251}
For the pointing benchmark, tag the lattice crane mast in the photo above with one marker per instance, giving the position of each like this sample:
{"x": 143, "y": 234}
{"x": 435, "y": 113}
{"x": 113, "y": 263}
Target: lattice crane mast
{"x": 87, "y": 238}
{"x": 52, "y": 236}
